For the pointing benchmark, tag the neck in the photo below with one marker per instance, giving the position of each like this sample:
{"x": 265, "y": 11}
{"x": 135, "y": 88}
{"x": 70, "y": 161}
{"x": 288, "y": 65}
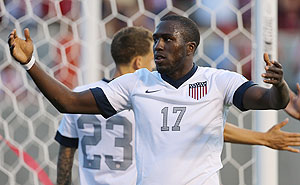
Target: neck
{"x": 178, "y": 82}
{"x": 180, "y": 71}
{"x": 121, "y": 70}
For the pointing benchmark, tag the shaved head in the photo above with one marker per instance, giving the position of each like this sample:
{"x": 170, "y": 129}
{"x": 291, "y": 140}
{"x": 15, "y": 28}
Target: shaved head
{"x": 190, "y": 32}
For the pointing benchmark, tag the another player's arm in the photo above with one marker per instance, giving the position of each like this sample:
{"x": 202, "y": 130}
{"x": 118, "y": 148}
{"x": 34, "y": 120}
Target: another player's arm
{"x": 293, "y": 108}
{"x": 273, "y": 138}
{"x": 64, "y": 165}
{"x": 276, "y": 97}
{"x": 65, "y": 100}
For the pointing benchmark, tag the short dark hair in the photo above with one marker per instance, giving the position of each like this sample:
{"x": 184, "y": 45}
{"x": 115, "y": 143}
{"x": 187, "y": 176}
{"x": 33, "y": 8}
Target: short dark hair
{"x": 130, "y": 42}
{"x": 191, "y": 32}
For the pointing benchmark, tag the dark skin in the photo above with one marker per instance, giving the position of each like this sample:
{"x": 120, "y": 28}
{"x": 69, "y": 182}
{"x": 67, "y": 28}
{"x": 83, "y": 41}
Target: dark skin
{"x": 64, "y": 99}
{"x": 172, "y": 57}
{"x": 277, "y": 97}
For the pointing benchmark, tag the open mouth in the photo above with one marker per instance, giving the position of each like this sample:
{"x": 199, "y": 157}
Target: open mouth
{"x": 159, "y": 58}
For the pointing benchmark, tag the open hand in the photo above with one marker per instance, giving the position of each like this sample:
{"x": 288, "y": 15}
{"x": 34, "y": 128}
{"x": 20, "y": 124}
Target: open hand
{"x": 274, "y": 72}
{"x": 281, "y": 140}
{"x": 293, "y": 108}
{"x": 21, "y": 50}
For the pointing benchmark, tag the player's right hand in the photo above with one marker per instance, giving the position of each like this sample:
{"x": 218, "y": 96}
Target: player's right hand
{"x": 21, "y": 50}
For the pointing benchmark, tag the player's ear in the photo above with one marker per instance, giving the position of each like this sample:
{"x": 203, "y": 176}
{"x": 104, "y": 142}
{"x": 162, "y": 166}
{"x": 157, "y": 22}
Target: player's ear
{"x": 191, "y": 46}
{"x": 137, "y": 62}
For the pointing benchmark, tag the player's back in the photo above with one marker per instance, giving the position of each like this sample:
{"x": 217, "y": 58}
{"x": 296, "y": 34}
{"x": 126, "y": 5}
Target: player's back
{"x": 106, "y": 151}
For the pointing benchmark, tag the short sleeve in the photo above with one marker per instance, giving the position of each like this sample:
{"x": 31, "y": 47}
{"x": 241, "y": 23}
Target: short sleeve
{"x": 239, "y": 95}
{"x": 228, "y": 82}
{"x": 116, "y": 95}
{"x": 67, "y": 133}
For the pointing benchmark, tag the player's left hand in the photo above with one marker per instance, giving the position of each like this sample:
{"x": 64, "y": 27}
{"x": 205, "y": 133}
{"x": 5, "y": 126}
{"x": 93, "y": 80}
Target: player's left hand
{"x": 281, "y": 140}
{"x": 274, "y": 72}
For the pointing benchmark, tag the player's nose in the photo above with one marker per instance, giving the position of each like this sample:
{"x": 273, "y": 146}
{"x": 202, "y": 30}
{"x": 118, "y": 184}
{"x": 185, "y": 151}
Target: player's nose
{"x": 158, "y": 45}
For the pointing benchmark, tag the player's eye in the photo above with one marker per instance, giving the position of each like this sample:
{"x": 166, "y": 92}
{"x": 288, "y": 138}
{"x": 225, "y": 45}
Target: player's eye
{"x": 168, "y": 39}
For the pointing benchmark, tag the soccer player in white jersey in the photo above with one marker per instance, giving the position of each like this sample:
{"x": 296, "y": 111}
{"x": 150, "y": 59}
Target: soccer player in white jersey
{"x": 78, "y": 128}
{"x": 106, "y": 146}
{"x": 179, "y": 110}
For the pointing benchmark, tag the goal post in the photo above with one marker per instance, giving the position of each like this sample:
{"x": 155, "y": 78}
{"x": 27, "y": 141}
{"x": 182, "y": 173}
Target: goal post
{"x": 266, "y": 30}
{"x": 91, "y": 33}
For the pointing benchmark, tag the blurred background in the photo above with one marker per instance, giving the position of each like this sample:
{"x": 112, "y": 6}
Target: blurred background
{"x": 61, "y": 31}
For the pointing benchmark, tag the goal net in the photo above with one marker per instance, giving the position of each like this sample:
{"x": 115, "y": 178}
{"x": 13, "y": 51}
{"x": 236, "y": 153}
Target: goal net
{"x": 60, "y": 30}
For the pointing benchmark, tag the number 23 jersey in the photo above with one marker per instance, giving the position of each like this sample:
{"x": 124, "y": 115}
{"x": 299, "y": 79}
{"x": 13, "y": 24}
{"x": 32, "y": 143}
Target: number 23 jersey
{"x": 179, "y": 136}
{"x": 105, "y": 146}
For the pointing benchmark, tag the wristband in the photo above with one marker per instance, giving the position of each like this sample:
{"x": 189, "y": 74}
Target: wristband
{"x": 29, "y": 64}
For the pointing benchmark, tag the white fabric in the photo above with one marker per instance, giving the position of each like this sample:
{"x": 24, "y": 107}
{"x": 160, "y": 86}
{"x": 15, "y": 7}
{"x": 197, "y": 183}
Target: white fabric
{"x": 106, "y": 145}
{"x": 189, "y": 156}
{"x": 213, "y": 180}
{"x": 29, "y": 65}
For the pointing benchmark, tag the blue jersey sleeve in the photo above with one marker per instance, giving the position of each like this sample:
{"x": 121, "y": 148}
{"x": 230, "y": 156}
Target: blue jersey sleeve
{"x": 66, "y": 141}
{"x": 239, "y": 95}
{"x": 116, "y": 95}
{"x": 103, "y": 104}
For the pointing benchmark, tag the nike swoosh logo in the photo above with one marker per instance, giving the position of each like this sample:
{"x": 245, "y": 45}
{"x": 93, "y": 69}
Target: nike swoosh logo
{"x": 148, "y": 91}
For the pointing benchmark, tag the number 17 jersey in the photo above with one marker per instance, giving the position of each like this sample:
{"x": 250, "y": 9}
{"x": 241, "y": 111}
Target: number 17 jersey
{"x": 180, "y": 124}
{"x": 105, "y": 146}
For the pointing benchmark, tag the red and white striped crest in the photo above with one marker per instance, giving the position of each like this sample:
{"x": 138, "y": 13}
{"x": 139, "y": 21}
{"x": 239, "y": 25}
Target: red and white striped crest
{"x": 198, "y": 90}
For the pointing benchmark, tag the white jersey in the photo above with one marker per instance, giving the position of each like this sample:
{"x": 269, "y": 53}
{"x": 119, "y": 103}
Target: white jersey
{"x": 179, "y": 136}
{"x": 105, "y": 146}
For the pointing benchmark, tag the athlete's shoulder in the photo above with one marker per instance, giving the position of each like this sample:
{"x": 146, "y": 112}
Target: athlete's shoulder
{"x": 210, "y": 71}
{"x": 91, "y": 85}
{"x": 145, "y": 74}
{"x": 141, "y": 72}
{"x": 142, "y": 75}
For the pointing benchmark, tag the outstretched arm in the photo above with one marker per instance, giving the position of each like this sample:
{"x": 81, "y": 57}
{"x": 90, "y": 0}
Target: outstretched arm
{"x": 277, "y": 97}
{"x": 293, "y": 108}
{"x": 273, "y": 138}
{"x": 60, "y": 96}
{"x": 64, "y": 165}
